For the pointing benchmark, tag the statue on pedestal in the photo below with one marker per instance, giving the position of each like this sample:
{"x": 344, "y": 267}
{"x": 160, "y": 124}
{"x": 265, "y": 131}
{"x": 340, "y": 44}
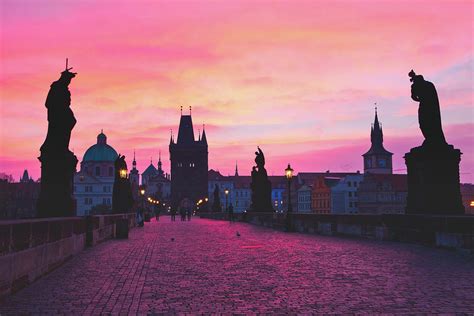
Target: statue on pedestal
{"x": 58, "y": 163}
{"x": 261, "y": 187}
{"x": 433, "y": 168}
{"x": 122, "y": 197}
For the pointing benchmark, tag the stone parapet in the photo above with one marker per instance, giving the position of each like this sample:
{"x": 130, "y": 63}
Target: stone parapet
{"x": 31, "y": 248}
{"x": 456, "y": 232}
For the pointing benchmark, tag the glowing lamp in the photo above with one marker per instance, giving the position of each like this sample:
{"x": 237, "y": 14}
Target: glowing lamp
{"x": 123, "y": 173}
{"x": 289, "y": 172}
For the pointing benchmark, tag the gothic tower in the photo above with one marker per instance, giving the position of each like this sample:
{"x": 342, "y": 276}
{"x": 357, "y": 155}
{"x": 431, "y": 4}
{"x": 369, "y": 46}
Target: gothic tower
{"x": 134, "y": 178}
{"x": 377, "y": 159}
{"x": 189, "y": 165}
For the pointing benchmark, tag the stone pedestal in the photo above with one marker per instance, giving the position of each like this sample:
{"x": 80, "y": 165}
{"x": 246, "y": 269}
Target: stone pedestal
{"x": 433, "y": 180}
{"x": 56, "y": 196}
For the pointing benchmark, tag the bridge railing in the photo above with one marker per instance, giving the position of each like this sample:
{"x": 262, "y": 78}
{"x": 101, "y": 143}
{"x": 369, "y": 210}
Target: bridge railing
{"x": 31, "y": 248}
{"x": 433, "y": 230}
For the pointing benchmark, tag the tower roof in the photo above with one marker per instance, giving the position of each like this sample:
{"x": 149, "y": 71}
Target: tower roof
{"x": 186, "y": 132}
{"x": 376, "y": 138}
{"x": 151, "y": 170}
{"x": 100, "y": 151}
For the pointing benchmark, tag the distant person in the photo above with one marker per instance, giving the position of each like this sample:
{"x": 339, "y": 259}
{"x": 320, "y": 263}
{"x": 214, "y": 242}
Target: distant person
{"x": 182, "y": 212}
{"x": 139, "y": 217}
{"x": 189, "y": 214}
{"x": 231, "y": 213}
{"x": 173, "y": 214}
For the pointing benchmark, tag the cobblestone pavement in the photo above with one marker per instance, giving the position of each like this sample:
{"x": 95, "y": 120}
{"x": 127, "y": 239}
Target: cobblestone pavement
{"x": 208, "y": 268}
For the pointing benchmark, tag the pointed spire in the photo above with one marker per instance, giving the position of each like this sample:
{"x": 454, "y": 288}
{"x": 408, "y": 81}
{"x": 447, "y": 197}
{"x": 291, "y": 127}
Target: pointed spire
{"x": 203, "y": 137}
{"x": 190, "y": 110}
{"x": 199, "y": 137}
{"x": 181, "y": 110}
{"x": 134, "y": 163}
{"x": 160, "y": 169}
{"x": 171, "y": 136}
{"x": 376, "y": 134}
{"x": 236, "y": 169}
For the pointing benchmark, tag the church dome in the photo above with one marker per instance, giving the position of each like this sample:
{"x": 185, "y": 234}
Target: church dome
{"x": 100, "y": 151}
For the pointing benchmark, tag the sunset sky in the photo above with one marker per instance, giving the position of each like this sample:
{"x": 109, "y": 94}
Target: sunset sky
{"x": 298, "y": 78}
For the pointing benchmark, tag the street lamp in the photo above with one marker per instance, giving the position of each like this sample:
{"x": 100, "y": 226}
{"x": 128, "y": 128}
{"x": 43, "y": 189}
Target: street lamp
{"x": 226, "y": 191}
{"x": 289, "y": 175}
{"x": 123, "y": 173}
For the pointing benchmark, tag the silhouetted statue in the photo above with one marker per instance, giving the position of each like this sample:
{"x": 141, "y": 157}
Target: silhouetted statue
{"x": 122, "y": 198}
{"x": 433, "y": 168}
{"x": 429, "y": 116}
{"x": 58, "y": 163}
{"x": 216, "y": 204}
{"x": 261, "y": 187}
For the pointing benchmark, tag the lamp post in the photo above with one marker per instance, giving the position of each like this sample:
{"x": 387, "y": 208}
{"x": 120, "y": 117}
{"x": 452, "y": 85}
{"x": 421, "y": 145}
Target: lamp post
{"x": 226, "y": 191}
{"x": 289, "y": 175}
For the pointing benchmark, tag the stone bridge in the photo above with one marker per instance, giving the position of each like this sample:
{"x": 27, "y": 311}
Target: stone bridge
{"x": 206, "y": 266}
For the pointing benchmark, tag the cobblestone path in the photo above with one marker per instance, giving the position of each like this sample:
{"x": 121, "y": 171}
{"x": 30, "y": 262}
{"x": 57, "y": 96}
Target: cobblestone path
{"x": 209, "y": 269}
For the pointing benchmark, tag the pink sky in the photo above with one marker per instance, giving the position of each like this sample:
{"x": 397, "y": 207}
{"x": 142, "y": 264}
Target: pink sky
{"x": 298, "y": 78}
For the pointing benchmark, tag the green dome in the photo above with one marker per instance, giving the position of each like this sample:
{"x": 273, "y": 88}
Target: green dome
{"x": 100, "y": 151}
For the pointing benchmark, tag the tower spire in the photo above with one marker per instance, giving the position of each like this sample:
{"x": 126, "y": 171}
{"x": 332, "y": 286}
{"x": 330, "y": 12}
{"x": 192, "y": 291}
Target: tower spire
{"x": 190, "y": 110}
{"x": 134, "y": 163}
{"x": 181, "y": 110}
{"x": 203, "y": 137}
{"x": 236, "y": 169}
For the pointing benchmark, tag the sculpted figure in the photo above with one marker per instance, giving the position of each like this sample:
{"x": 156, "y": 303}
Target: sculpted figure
{"x": 260, "y": 186}
{"x": 61, "y": 119}
{"x": 429, "y": 116}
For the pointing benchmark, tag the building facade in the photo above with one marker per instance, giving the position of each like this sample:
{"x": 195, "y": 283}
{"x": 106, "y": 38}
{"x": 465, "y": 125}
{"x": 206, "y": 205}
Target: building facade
{"x": 18, "y": 199}
{"x": 344, "y": 195}
{"x": 383, "y": 194}
{"x": 304, "y": 199}
{"x": 93, "y": 184}
{"x": 377, "y": 159}
{"x": 189, "y": 165}
{"x": 157, "y": 183}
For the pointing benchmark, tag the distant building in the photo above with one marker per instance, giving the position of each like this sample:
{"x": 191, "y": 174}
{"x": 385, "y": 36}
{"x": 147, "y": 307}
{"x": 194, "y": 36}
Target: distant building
{"x": 18, "y": 199}
{"x": 304, "y": 199}
{"x": 344, "y": 196}
{"x": 242, "y": 193}
{"x": 189, "y": 165}
{"x": 377, "y": 159}
{"x": 323, "y": 195}
{"x": 223, "y": 183}
{"x": 279, "y": 194}
{"x": 383, "y": 194}
{"x": 94, "y": 182}
{"x": 321, "y": 201}
{"x": 157, "y": 182}
{"x": 467, "y": 193}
